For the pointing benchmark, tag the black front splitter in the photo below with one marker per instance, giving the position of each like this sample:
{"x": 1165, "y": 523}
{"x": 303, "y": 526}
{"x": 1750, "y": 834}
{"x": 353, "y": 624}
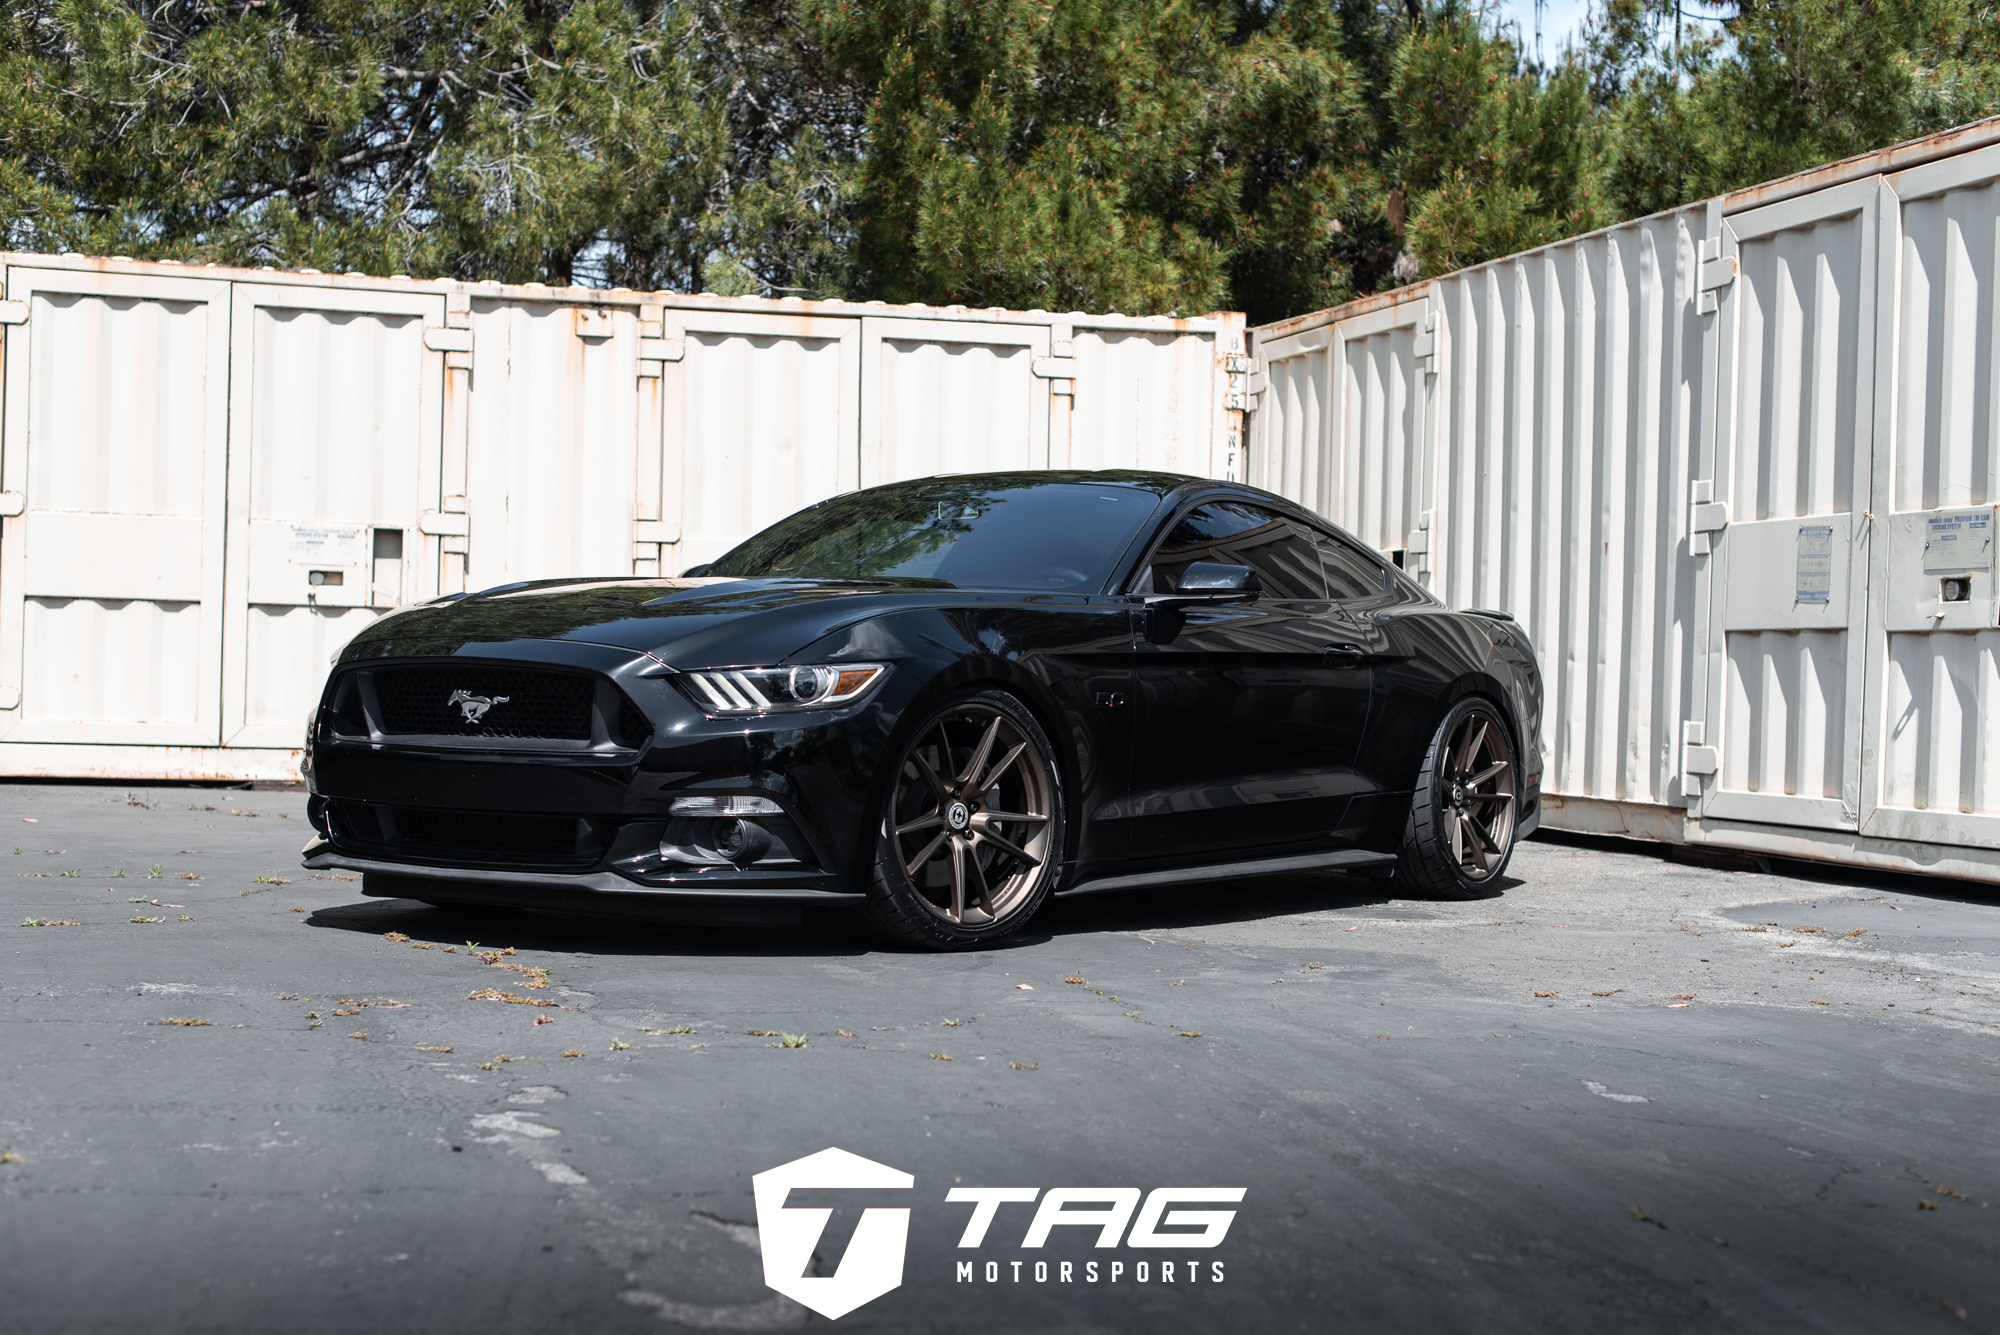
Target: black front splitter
{"x": 600, "y": 893}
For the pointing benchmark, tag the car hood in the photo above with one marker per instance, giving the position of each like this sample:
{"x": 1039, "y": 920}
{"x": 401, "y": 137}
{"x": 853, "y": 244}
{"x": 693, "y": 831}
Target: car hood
{"x": 683, "y": 622}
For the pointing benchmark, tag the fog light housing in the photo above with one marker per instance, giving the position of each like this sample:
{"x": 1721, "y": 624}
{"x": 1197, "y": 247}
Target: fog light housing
{"x": 729, "y": 841}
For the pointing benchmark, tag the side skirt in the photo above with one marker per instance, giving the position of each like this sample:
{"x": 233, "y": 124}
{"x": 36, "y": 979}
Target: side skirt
{"x": 1346, "y": 859}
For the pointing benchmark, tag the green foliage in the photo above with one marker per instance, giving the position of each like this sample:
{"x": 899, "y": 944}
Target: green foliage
{"x": 1495, "y": 156}
{"x": 1146, "y": 155}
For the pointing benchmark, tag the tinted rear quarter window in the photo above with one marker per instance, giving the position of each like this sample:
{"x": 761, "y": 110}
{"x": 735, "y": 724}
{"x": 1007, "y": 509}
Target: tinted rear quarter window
{"x": 1350, "y": 573}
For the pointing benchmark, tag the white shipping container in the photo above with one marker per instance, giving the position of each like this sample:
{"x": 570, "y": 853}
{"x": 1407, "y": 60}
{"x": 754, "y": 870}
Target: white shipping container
{"x": 212, "y": 478}
{"x": 1735, "y": 467}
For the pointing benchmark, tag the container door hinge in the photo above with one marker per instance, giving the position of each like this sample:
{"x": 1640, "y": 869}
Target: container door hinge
{"x": 654, "y": 353}
{"x": 13, "y": 312}
{"x": 439, "y": 523}
{"x": 1706, "y": 516}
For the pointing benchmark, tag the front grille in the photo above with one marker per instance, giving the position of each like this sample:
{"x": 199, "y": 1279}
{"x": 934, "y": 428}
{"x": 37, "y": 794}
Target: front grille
{"x": 471, "y": 836}
{"x": 526, "y": 703}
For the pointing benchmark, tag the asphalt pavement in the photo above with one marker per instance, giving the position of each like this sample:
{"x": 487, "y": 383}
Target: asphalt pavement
{"x": 1628, "y": 1093}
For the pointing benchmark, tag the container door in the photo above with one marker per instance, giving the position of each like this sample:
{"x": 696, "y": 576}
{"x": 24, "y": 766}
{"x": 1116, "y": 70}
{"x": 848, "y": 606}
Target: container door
{"x": 1781, "y": 512}
{"x": 336, "y": 405}
{"x": 1343, "y": 423}
{"x": 946, "y": 396}
{"x": 552, "y": 454}
{"x": 1936, "y": 648}
{"x": 115, "y": 441}
{"x": 759, "y": 418}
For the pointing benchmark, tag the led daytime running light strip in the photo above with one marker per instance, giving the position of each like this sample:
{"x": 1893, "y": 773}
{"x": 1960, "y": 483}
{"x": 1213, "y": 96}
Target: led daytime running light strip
{"x": 757, "y": 690}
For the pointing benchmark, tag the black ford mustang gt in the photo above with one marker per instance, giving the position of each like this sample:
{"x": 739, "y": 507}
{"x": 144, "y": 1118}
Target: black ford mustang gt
{"x": 936, "y": 703}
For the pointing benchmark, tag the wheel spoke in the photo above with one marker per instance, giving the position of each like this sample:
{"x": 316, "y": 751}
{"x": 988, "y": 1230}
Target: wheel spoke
{"x": 1007, "y": 846}
{"x": 921, "y": 823}
{"x": 911, "y": 869}
{"x": 930, "y": 776}
{"x": 1489, "y": 797}
{"x": 1496, "y": 768}
{"x": 977, "y": 875}
{"x": 1471, "y": 750}
{"x": 1480, "y": 848}
{"x": 1452, "y": 823}
{"x": 987, "y": 783}
{"x": 998, "y": 816}
{"x": 981, "y": 752}
{"x": 957, "y": 881}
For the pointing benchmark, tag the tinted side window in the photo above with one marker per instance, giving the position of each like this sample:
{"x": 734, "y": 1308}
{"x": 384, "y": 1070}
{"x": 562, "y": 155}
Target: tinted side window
{"x": 1236, "y": 533}
{"x": 1349, "y": 572}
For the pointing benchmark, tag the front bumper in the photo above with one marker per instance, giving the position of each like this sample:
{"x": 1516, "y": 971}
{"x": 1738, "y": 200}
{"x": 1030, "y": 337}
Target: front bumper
{"x": 486, "y": 822}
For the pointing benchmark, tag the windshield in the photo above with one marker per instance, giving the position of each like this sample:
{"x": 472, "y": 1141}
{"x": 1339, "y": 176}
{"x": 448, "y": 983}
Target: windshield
{"x": 982, "y": 533}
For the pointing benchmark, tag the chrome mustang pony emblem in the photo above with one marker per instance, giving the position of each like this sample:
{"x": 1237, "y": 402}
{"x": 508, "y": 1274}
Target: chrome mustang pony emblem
{"x": 474, "y": 707}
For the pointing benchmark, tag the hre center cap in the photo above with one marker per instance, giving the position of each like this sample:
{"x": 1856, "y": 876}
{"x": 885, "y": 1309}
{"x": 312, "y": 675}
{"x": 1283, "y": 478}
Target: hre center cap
{"x": 958, "y": 815}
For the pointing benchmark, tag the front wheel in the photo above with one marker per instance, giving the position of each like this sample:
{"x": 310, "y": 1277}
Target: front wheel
{"x": 971, "y": 833}
{"x": 1460, "y": 833}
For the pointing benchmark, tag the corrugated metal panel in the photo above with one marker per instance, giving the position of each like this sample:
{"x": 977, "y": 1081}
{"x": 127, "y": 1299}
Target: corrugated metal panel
{"x": 1944, "y": 693}
{"x": 552, "y": 456}
{"x": 335, "y": 420}
{"x": 1341, "y": 424}
{"x": 1569, "y": 382}
{"x": 1938, "y": 468}
{"x": 107, "y": 665}
{"x": 763, "y": 421}
{"x": 111, "y": 573}
{"x": 1794, "y": 452}
{"x": 1144, "y": 398}
{"x": 939, "y": 396}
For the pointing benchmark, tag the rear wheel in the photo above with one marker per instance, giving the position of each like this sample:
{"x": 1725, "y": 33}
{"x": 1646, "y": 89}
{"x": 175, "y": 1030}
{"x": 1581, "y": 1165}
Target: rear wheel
{"x": 1460, "y": 834}
{"x": 971, "y": 836}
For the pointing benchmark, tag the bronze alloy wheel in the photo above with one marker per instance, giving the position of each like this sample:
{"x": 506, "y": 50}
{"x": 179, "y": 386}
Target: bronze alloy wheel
{"x": 1461, "y": 830}
{"x": 972, "y": 828}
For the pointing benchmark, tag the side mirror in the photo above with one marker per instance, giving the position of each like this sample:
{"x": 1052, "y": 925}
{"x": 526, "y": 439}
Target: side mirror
{"x": 1212, "y": 582}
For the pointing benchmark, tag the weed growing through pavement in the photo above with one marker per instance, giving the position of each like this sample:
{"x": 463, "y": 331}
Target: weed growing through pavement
{"x": 788, "y": 1041}
{"x": 73, "y": 874}
{"x": 619, "y": 1045}
{"x": 144, "y": 920}
{"x": 152, "y": 873}
{"x": 50, "y": 922}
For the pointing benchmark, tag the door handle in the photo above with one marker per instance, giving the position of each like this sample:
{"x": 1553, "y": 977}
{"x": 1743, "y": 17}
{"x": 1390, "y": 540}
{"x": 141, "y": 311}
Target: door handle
{"x": 1345, "y": 655}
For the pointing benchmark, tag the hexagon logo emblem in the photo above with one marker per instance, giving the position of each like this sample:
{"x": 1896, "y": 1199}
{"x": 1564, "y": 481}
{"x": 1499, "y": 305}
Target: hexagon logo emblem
{"x": 873, "y": 1262}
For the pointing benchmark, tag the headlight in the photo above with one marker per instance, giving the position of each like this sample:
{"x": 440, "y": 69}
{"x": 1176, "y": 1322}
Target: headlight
{"x": 778, "y": 690}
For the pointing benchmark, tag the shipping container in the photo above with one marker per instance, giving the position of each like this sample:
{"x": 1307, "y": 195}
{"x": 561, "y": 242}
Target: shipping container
{"x": 1735, "y": 468}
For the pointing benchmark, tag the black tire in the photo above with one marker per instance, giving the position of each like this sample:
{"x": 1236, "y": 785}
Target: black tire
{"x": 1460, "y": 833}
{"x": 980, "y": 771}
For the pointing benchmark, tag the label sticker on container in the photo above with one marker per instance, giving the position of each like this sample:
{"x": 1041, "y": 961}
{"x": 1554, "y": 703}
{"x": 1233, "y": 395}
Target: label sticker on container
{"x": 1815, "y": 581}
{"x": 329, "y": 545}
{"x": 1962, "y": 541}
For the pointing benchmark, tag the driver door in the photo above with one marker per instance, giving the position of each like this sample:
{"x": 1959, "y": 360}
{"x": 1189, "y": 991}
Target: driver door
{"x": 1249, "y": 729}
